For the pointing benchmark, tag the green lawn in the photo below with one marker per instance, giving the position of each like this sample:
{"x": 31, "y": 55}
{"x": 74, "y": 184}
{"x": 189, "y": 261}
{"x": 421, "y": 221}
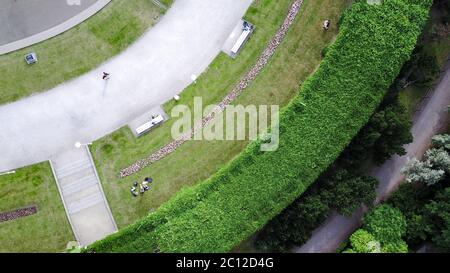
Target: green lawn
{"x": 78, "y": 50}
{"x": 46, "y": 231}
{"x": 295, "y": 59}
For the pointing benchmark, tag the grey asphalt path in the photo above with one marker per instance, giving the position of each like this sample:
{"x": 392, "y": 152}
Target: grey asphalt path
{"x": 25, "y": 22}
{"x": 81, "y": 191}
{"x": 150, "y": 72}
{"x": 430, "y": 121}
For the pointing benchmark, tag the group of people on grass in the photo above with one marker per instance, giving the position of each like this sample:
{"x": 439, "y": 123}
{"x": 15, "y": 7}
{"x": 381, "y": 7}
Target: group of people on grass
{"x": 143, "y": 187}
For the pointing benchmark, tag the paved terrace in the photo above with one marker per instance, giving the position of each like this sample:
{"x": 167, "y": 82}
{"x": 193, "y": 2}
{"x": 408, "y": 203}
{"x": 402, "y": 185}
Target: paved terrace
{"x": 158, "y": 66}
{"x": 26, "y": 22}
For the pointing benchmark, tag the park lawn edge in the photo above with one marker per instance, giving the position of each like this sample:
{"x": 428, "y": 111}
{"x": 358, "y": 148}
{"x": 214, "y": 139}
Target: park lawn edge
{"x": 334, "y": 103}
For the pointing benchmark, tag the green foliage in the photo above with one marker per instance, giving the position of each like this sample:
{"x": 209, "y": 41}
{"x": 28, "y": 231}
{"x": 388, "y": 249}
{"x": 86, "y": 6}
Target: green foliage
{"x": 395, "y": 247}
{"x": 385, "y": 135}
{"x": 411, "y": 200}
{"x": 429, "y": 69}
{"x": 383, "y": 229}
{"x": 363, "y": 242}
{"x": 351, "y": 192}
{"x": 294, "y": 225}
{"x": 337, "y": 189}
{"x": 438, "y": 213}
{"x": 315, "y": 127}
{"x": 386, "y": 223}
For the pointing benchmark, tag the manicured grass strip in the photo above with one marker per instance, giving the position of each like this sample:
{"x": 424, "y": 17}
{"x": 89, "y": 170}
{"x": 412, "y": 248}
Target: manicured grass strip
{"x": 48, "y": 230}
{"x": 78, "y": 50}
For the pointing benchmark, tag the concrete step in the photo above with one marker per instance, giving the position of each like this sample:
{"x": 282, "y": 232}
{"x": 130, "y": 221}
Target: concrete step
{"x": 85, "y": 203}
{"x": 79, "y": 184}
{"x": 72, "y": 169}
{"x": 81, "y": 191}
{"x": 76, "y": 176}
{"x": 61, "y": 166}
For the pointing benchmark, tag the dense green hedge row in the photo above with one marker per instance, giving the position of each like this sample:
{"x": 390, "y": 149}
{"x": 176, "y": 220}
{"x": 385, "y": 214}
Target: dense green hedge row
{"x": 217, "y": 214}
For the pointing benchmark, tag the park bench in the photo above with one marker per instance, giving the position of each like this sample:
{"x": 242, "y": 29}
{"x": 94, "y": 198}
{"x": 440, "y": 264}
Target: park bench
{"x": 245, "y": 35}
{"x": 144, "y": 128}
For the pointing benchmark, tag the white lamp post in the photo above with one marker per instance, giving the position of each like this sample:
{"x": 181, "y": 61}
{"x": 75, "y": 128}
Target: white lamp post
{"x": 194, "y": 78}
{"x": 79, "y": 144}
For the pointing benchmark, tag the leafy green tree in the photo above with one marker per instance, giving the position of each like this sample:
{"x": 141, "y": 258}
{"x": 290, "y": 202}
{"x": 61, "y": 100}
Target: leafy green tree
{"x": 294, "y": 225}
{"x": 386, "y": 223}
{"x": 350, "y": 192}
{"x": 362, "y": 241}
{"x": 421, "y": 70}
{"x": 385, "y": 135}
{"x": 411, "y": 199}
{"x": 438, "y": 213}
{"x": 399, "y": 246}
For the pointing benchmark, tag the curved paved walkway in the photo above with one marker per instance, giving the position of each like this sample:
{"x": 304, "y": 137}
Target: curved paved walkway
{"x": 25, "y": 23}
{"x": 150, "y": 72}
{"x": 426, "y": 123}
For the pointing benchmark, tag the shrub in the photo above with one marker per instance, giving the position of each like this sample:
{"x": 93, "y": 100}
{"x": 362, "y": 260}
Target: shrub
{"x": 363, "y": 242}
{"x": 386, "y": 223}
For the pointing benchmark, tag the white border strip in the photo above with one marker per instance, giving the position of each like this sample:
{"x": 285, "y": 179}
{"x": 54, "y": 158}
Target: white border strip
{"x": 56, "y": 30}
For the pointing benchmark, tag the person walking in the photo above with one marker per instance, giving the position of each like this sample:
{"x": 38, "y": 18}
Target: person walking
{"x": 105, "y": 76}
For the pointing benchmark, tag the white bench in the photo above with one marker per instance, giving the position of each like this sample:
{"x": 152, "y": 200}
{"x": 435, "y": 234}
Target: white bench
{"x": 240, "y": 42}
{"x": 144, "y": 128}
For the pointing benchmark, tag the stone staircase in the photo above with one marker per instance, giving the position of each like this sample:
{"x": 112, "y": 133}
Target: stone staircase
{"x": 82, "y": 195}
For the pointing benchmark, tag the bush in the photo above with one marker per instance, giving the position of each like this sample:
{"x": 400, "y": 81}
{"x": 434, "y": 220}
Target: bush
{"x": 363, "y": 242}
{"x": 333, "y": 105}
{"x": 386, "y": 223}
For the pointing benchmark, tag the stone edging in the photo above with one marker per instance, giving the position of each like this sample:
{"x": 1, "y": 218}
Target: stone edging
{"x": 56, "y": 30}
{"x": 230, "y": 97}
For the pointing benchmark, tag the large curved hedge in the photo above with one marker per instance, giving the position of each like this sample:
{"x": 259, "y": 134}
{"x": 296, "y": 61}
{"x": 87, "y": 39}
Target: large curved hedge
{"x": 332, "y": 106}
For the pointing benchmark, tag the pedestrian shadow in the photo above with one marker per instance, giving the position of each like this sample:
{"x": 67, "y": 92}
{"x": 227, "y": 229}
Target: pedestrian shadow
{"x": 105, "y": 87}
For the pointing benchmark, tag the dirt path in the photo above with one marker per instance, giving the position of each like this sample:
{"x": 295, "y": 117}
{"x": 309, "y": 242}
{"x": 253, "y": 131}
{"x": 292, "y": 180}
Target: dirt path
{"x": 427, "y": 122}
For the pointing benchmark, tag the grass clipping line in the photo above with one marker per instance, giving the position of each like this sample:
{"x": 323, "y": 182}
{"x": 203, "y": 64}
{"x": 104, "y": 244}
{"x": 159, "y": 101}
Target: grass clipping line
{"x": 227, "y": 100}
{"x": 334, "y": 103}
